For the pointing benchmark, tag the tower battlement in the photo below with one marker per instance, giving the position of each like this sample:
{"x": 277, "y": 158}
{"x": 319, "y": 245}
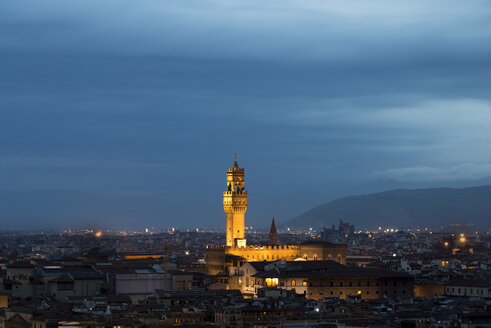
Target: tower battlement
{"x": 238, "y": 170}
{"x": 235, "y": 192}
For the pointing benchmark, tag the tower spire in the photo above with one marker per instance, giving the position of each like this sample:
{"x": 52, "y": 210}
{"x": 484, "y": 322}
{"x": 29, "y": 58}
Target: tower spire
{"x": 236, "y": 166}
{"x": 273, "y": 236}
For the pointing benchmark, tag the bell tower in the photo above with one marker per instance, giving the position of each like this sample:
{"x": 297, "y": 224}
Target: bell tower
{"x": 235, "y": 205}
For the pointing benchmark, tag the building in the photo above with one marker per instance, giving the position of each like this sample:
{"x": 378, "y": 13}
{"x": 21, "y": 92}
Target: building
{"x": 428, "y": 289}
{"x": 235, "y": 205}
{"x": 328, "y": 279}
{"x": 341, "y": 234}
{"x": 468, "y": 288}
{"x": 218, "y": 257}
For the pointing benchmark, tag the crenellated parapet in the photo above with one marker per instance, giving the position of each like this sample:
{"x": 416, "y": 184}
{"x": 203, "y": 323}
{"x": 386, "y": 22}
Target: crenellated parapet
{"x": 267, "y": 247}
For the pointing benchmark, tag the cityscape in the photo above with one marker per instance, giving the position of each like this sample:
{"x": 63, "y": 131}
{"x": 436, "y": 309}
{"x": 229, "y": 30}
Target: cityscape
{"x": 245, "y": 163}
{"x": 336, "y": 277}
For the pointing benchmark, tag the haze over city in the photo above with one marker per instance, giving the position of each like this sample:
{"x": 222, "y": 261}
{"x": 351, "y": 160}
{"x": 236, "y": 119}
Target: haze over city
{"x": 145, "y": 103}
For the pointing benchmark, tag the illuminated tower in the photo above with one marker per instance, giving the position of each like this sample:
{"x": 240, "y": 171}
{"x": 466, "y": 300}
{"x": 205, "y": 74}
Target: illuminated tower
{"x": 235, "y": 205}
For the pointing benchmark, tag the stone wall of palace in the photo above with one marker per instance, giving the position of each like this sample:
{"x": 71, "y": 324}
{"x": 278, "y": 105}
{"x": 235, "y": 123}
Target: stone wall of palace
{"x": 255, "y": 253}
{"x": 215, "y": 259}
{"x": 432, "y": 290}
{"x": 323, "y": 251}
{"x": 311, "y": 252}
{"x": 216, "y": 255}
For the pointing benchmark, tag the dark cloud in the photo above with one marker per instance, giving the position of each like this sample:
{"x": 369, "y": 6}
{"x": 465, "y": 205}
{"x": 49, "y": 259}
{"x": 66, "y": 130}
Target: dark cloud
{"x": 126, "y": 97}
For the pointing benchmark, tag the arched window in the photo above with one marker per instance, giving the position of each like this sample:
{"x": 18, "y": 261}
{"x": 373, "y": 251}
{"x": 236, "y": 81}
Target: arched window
{"x": 294, "y": 283}
{"x": 271, "y": 282}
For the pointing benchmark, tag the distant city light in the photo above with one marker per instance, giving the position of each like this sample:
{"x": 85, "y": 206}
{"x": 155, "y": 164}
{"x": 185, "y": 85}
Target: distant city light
{"x": 98, "y": 234}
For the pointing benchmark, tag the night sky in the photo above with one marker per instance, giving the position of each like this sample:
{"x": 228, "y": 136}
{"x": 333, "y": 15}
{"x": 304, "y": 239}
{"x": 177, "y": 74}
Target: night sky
{"x": 320, "y": 99}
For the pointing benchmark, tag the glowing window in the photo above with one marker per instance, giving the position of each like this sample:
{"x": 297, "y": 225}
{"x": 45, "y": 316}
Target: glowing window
{"x": 294, "y": 283}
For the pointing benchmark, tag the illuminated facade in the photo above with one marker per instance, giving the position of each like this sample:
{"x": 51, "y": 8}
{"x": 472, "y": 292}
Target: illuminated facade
{"x": 367, "y": 284}
{"x": 235, "y": 205}
{"x": 220, "y": 258}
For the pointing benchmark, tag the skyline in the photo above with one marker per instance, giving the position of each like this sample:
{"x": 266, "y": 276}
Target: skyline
{"x": 320, "y": 100}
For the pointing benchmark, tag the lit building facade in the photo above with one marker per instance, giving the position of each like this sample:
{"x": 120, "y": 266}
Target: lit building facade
{"x": 324, "y": 279}
{"x": 236, "y": 251}
{"x": 367, "y": 284}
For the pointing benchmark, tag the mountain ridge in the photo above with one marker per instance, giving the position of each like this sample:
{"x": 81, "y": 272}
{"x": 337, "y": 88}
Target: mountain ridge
{"x": 402, "y": 208}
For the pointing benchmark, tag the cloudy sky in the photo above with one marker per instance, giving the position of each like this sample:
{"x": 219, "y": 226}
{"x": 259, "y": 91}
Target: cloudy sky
{"x": 140, "y": 98}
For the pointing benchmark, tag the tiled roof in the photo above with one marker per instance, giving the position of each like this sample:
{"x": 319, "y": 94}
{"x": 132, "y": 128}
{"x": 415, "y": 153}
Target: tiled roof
{"x": 470, "y": 283}
{"x": 63, "y": 278}
{"x": 20, "y": 265}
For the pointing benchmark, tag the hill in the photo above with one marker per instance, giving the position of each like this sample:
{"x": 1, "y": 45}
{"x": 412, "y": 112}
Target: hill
{"x": 403, "y": 208}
